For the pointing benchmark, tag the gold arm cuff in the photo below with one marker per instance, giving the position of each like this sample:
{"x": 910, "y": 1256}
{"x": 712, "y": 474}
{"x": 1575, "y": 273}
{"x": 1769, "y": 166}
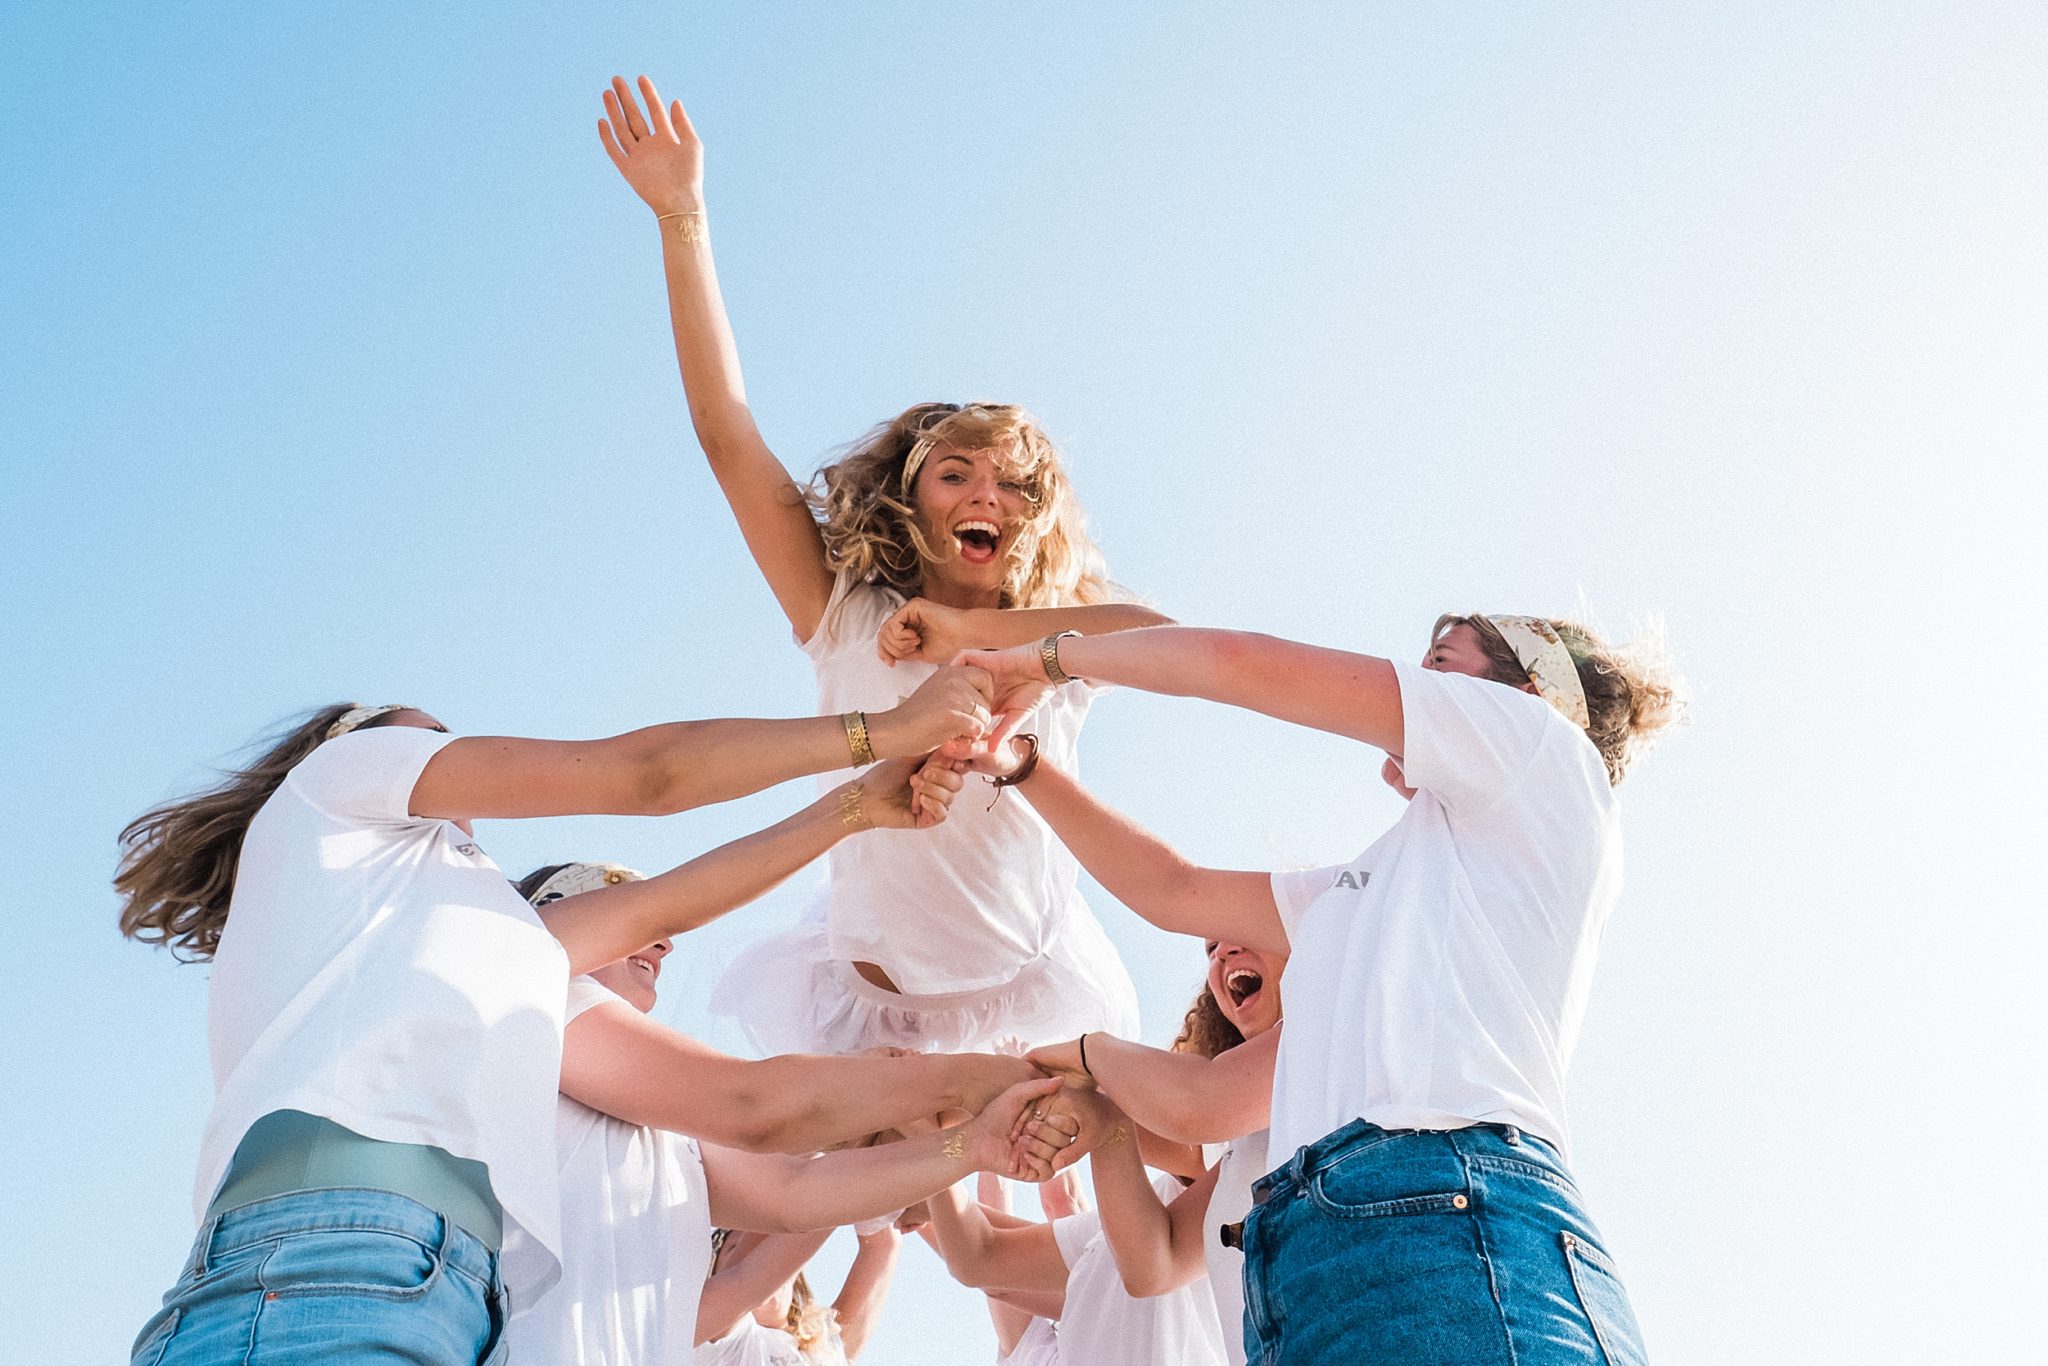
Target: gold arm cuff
{"x": 856, "y": 723}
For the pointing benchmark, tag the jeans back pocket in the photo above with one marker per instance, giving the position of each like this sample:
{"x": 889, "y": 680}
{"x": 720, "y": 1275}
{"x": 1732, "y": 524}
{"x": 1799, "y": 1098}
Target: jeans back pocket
{"x": 1604, "y": 1301}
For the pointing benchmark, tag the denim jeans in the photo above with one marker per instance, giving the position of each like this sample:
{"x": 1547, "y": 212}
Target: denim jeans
{"x": 330, "y": 1276}
{"x": 1465, "y": 1247}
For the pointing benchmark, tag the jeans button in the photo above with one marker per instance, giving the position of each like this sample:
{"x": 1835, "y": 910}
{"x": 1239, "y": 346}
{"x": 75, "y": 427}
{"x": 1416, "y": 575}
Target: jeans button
{"x": 1459, "y": 1202}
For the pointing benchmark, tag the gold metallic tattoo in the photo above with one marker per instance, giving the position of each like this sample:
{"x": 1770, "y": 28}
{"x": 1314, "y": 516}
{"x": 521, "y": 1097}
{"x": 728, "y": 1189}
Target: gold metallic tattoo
{"x": 954, "y": 1146}
{"x": 689, "y": 225}
{"x": 852, "y": 814}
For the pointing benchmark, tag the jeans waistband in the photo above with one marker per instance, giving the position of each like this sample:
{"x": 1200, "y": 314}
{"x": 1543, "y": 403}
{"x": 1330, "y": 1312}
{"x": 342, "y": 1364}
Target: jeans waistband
{"x": 1333, "y": 1147}
{"x": 346, "y": 1209}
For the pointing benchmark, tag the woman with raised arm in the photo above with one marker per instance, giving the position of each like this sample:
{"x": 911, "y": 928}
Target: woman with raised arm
{"x": 948, "y": 526}
{"x": 1423, "y": 1211}
{"x": 638, "y": 1192}
{"x": 385, "y": 1012}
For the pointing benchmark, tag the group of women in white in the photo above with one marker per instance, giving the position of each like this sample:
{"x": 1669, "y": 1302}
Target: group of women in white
{"x": 447, "y": 1128}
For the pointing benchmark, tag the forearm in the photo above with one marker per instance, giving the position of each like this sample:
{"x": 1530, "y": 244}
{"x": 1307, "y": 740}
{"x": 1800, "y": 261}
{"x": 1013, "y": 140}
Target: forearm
{"x": 699, "y": 763}
{"x": 802, "y": 1103}
{"x": 1139, "y": 1228}
{"x": 993, "y": 628}
{"x": 863, "y": 1183}
{"x": 866, "y": 1289}
{"x": 706, "y": 353}
{"x": 731, "y": 1295}
{"x": 1185, "y": 1097}
{"x": 600, "y": 930}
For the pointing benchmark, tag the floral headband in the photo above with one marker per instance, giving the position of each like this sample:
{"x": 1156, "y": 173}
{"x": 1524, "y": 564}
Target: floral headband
{"x": 1543, "y": 656}
{"x": 355, "y": 718}
{"x": 575, "y": 878}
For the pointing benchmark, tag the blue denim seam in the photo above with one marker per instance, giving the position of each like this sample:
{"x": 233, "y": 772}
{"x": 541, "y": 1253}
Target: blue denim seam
{"x": 1575, "y": 1248}
{"x": 1486, "y": 1256}
{"x": 396, "y": 1294}
{"x": 1534, "y": 1171}
{"x": 163, "y": 1334}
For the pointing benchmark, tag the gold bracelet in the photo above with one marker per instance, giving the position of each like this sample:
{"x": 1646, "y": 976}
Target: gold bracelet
{"x": 689, "y": 223}
{"x": 1049, "y": 655}
{"x": 852, "y": 814}
{"x": 856, "y": 723}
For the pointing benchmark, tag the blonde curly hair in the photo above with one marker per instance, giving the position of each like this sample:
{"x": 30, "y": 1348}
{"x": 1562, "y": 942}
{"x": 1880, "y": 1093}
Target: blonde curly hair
{"x": 864, "y": 509}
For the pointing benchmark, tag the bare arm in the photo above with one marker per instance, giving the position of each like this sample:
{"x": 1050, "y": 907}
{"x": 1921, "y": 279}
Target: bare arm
{"x": 732, "y": 1292}
{"x": 1157, "y": 1247}
{"x": 605, "y": 925}
{"x": 983, "y": 1256}
{"x": 932, "y": 632}
{"x": 660, "y": 770}
{"x": 778, "y": 1194}
{"x": 660, "y": 156}
{"x": 866, "y": 1289}
{"x": 1353, "y": 695}
{"x": 1179, "y": 1095}
{"x": 617, "y": 1060}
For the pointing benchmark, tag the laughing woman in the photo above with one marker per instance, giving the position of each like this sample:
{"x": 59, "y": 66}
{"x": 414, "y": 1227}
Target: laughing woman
{"x": 1423, "y": 1211}
{"x": 948, "y": 526}
{"x": 385, "y": 1012}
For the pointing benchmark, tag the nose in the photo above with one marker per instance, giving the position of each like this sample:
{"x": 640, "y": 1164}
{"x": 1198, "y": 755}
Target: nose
{"x": 660, "y": 949}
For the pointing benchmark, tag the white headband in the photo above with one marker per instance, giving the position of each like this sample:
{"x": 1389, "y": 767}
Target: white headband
{"x": 575, "y": 878}
{"x": 355, "y": 717}
{"x": 1547, "y": 662}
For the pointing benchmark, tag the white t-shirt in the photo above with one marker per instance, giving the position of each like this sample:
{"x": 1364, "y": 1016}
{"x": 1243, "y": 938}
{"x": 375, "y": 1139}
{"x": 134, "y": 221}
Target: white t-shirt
{"x": 636, "y": 1239}
{"x": 751, "y": 1343}
{"x": 1102, "y": 1325}
{"x": 1037, "y": 1345}
{"x": 377, "y": 970}
{"x": 965, "y": 905}
{"x": 1438, "y": 979}
{"x": 1243, "y": 1161}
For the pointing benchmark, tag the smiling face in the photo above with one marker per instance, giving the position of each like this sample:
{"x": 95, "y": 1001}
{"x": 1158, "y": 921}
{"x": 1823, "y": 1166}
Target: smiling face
{"x": 1246, "y": 984}
{"x": 971, "y": 509}
{"x": 634, "y": 977}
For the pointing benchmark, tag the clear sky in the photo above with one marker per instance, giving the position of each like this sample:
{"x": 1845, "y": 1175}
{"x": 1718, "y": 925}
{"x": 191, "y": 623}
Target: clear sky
{"x": 336, "y": 365}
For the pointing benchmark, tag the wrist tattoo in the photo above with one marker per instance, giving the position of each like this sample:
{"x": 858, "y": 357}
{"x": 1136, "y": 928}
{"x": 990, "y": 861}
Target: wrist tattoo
{"x": 1116, "y": 1136}
{"x": 954, "y": 1146}
{"x": 852, "y": 813}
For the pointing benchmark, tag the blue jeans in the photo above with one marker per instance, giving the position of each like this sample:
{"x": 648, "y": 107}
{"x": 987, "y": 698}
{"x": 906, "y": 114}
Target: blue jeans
{"x": 330, "y": 1276}
{"x": 1465, "y": 1247}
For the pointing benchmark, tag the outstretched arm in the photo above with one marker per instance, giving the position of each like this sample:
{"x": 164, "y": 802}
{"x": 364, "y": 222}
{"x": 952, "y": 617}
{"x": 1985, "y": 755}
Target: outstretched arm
{"x": 1346, "y": 694}
{"x": 866, "y": 1288}
{"x": 659, "y": 154}
{"x": 933, "y": 632}
{"x": 605, "y": 925}
{"x": 619, "y": 1061}
{"x": 1181, "y": 1096}
{"x": 1157, "y": 1247}
{"x": 983, "y": 1255}
{"x": 777, "y": 1194}
{"x": 665, "y": 769}
{"x": 731, "y": 1292}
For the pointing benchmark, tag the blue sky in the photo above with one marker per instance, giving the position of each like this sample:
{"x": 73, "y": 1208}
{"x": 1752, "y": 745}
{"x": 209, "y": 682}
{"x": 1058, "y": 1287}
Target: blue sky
{"x": 337, "y": 365}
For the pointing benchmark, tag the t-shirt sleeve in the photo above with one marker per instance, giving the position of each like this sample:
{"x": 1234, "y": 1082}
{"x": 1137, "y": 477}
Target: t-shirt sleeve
{"x": 587, "y": 993}
{"x": 1293, "y": 891}
{"x": 853, "y": 615}
{"x": 1467, "y": 739}
{"x": 366, "y": 777}
{"x": 1073, "y": 1234}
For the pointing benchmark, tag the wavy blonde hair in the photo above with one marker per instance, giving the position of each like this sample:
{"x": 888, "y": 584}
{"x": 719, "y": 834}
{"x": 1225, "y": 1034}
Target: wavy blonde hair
{"x": 870, "y": 525}
{"x": 178, "y": 860}
{"x": 808, "y": 1321}
{"x": 1633, "y": 694}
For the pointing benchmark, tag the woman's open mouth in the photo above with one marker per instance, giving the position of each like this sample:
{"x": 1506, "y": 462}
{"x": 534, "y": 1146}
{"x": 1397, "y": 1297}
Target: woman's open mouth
{"x": 1243, "y": 984}
{"x": 646, "y": 965}
{"x": 979, "y": 541}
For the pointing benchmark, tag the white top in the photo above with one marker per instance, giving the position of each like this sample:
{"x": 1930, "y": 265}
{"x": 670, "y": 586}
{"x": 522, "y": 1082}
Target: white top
{"x": 1243, "y": 1162}
{"x": 751, "y": 1343}
{"x": 379, "y": 971}
{"x": 636, "y": 1239}
{"x": 1438, "y": 979}
{"x": 991, "y": 884}
{"x": 1102, "y": 1325}
{"x": 1037, "y": 1345}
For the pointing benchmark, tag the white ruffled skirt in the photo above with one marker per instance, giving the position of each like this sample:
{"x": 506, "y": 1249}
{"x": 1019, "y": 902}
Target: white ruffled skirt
{"x": 791, "y": 996}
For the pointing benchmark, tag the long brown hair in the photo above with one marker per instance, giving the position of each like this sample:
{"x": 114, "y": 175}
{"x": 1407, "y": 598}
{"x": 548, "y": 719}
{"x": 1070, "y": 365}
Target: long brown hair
{"x": 178, "y": 860}
{"x": 871, "y": 529}
{"x": 1206, "y": 1031}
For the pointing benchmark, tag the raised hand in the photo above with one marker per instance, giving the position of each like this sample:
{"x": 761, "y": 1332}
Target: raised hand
{"x": 1054, "y": 1134}
{"x": 921, "y": 630}
{"x": 657, "y": 151}
{"x": 951, "y": 705}
{"x": 1062, "y": 1060}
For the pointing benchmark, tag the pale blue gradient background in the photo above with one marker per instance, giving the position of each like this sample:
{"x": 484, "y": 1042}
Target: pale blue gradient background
{"x": 337, "y": 365}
